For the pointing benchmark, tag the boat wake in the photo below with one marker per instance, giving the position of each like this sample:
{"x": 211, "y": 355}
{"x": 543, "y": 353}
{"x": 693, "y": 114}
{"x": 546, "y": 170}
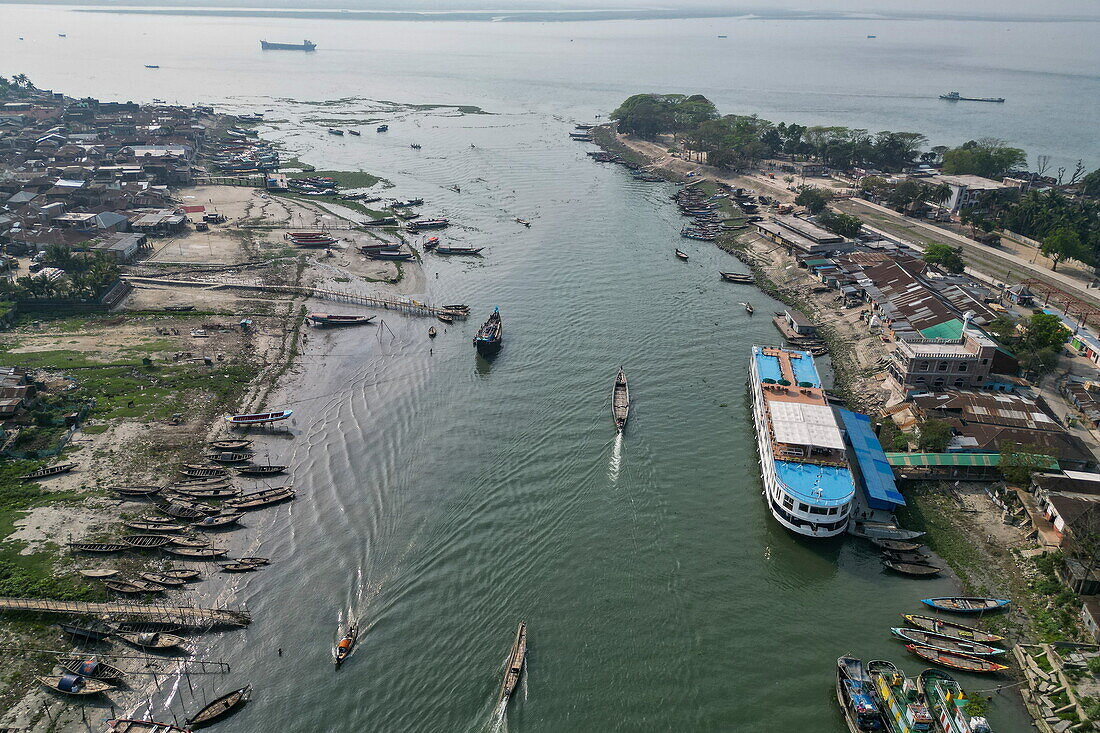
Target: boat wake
{"x": 499, "y": 721}
{"x": 616, "y": 462}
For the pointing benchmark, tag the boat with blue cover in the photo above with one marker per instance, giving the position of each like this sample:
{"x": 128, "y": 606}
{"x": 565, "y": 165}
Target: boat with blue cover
{"x": 964, "y": 604}
{"x": 803, "y": 458}
{"x": 856, "y": 696}
{"x": 490, "y": 337}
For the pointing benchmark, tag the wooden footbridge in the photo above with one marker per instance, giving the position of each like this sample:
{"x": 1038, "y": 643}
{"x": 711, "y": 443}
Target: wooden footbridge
{"x": 407, "y": 307}
{"x": 189, "y": 616}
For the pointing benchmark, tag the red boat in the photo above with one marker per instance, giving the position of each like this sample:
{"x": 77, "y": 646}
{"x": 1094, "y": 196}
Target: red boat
{"x": 258, "y": 418}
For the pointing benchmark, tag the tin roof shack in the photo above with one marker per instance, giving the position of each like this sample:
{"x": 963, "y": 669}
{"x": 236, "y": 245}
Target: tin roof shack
{"x": 964, "y": 407}
{"x": 159, "y": 223}
{"x": 122, "y": 248}
{"x": 798, "y": 234}
{"x": 1085, "y": 396}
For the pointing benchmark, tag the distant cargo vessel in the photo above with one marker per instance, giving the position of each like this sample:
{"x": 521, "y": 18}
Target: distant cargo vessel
{"x": 303, "y": 46}
{"x": 956, "y": 97}
{"x": 803, "y": 460}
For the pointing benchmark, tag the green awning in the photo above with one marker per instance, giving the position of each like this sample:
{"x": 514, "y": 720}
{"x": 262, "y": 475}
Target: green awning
{"x": 952, "y": 329}
{"x": 971, "y": 460}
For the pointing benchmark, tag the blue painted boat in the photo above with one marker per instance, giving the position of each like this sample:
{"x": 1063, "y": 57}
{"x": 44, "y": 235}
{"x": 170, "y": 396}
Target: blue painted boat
{"x": 963, "y": 604}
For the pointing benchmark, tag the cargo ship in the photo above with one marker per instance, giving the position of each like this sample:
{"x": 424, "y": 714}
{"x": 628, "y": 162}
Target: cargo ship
{"x": 803, "y": 460}
{"x": 303, "y": 46}
{"x": 956, "y": 97}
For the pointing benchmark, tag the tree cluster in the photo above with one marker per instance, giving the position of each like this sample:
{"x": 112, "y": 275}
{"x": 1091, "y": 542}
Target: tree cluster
{"x": 1036, "y": 344}
{"x": 86, "y": 276}
{"x": 17, "y": 86}
{"x": 1043, "y": 216}
{"x": 842, "y": 224}
{"x": 946, "y": 256}
{"x": 988, "y": 157}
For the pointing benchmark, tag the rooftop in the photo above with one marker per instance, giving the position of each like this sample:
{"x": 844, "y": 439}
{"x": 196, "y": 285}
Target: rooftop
{"x": 816, "y": 484}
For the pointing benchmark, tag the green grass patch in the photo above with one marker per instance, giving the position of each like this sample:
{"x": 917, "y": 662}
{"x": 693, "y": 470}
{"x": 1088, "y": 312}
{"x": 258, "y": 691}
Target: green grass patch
{"x": 344, "y": 179}
{"x": 931, "y": 512}
{"x": 94, "y": 429}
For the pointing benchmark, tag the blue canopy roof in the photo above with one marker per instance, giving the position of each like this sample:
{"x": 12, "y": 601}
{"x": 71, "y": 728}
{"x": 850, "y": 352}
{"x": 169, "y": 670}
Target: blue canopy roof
{"x": 878, "y": 477}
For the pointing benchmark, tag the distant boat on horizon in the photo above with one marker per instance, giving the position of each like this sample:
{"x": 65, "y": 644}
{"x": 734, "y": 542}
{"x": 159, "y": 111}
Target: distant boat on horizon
{"x": 871, "y": 35}
{"x": 152, "y": 66}
{"x": 956, "y": 97}
{"x": 303, "y": 46}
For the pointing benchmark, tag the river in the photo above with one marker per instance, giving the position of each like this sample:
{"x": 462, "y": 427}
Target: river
{"x": 442, "y": 498}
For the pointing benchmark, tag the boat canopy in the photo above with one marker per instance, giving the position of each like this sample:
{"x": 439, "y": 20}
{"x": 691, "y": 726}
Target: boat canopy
{"x": 70, "y": 683}
{"x": 798, "y": 423}
{"x": 878, "y": 476}
{"x": 88, "y": 667}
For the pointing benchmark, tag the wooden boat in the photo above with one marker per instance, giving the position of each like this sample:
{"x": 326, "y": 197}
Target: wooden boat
{"x": 198, "y": 553}
{"x": 459, "y": 308}
{"x": 334, "y": 131}
{"x": 211, "y": 481}
{"x": 153, "y": 640}
{"x": 146, "y": 541}
{"x": 100, "y": 547}
{"x": 895, "y": 695}
{"x": 133, "y": 587}
{"x": 855, "y": 693}
{"x": 142, "y": 526}
{"x": 263, "y": 498}
{"x": 258, "y": 418}
{"x": 190, "y": 542}
{"x": 145, "y": 627}
{"x": 222, "y": 707}
{"x": 912, "y": 568}
{"x": 221, "y": 520}
{"x": 329, "y": 319}
{"x": 179, "y": 308}
{"x": 74, "y": 684}
{"x": 254, "y": 560}
{"x": 951, "y": 628}
{"x": 427, "y": 224}
{"x": 130, "y": 725}
{"x": 524, "y": 222}
{"x": 89, "y": 631}
{"x": 233, "y": 445}
{"x": 896, "y": 545}
{"x": 945, "y": 643}
{"x": 734, "y": 277}
{"x": 749, "y": 309}
{"x": 260, "y": 470}
{"x": 432, "y": 332}
{"x": 180, "y": 511}
{"x": 948, "y": 703}
{"x": 136, "y": 492}
{"x": 490, "y": 337}
{"x": 99, "y": 573}
{"x": 516, "y": 658}
{"x": 188, "y": 503}
{"x": 681, "y": 254}
{"x": 458, "y": 250}
{"x": 964, "y": 604}
{"x": 239, "y": 567}
{"x": 47, "y": 472}
{"x": 390, "y": 255}
{"x": 92, "y": 668}
{"x": 385, "y": 221}
{"x": 446, "y": 318}
{"x": 354, "y": 132}
{"x": 918, "y": 558}
{"x": 203, "y": 471}
{"x": 620, "y": 401}
{"x": 344, "y": 646}
{"x": 162, "y": 579}
{"x": 955, "y": 660}
{"x": 415, "y": 146}
{"x": 228, "y": 457}
{"x": 214, "y": 492}
{"x": 382, "y": 128}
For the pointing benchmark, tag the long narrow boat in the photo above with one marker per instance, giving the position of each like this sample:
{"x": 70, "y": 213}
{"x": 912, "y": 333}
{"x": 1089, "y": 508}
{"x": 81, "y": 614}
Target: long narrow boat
{"x": 904, "y": 711}
{"x": 735, "y": 277}
{"x": 100, "y": 547}
{"x": 239, "y": 567}
{"x": 208, "y": 481}
{"x": 153, "y": 640}
{"x": 955, "y": 660}
{"x": 912, "y": 568}
{"x": 130, "y": 725}
{"x": 948, "y": 703}
{"x": 263, "y": 498}
{"x": 184, "y": 574}
{"x": 915, "y": 557}
{"x": 228, "y": 457}
{"x": 963, "y": 604}
{"x": 258, "y": 418}
{"x": 91, "y": 667}
{"x": 47, "y": 472}
{"x": 233, "y": 445}
{"x": 133, "y": 587}
{"x": 197, "y": 553}
{"x": 946, "y": 643}
{"x": 441, "y": 250}
{"x": 222, "y": 707}
{"x": 74, "y": 684}
{"x": 260, "y": 470}
{"x": 90, "y": 631}
{"x": 146, "y": 541}
{"x": 98, "y": 573}
{"x": 620, "y": 401}
{"x": 516, "y": 658}
{"x": 951, "y": 628}
{"x": 895, "y": 545}
{"x": 213, "y": 492}
{"x": 196, "y": 471}
{"x": 856, "y": 697}
{"x": 345, "y": 645}
{"x": 136, "y": 492}
{"x": 219, "y": 521}
{"x": 331, "y": 319}
{"x": 389, "y": 255}
{"x": 490, "y": 337}
{"x": 142, "y": 526}
{"x": 180, "y": 512}
{"x": 162, "y": 579}
{"x": 190, "y": 542}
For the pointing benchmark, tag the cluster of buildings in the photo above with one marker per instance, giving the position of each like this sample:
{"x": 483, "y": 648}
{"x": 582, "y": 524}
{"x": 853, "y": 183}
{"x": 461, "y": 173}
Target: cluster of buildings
{"x": 91, "y": 174}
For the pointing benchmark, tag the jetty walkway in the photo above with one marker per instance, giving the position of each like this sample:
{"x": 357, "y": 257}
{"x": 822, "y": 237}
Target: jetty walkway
{"x": 182, "y": 615}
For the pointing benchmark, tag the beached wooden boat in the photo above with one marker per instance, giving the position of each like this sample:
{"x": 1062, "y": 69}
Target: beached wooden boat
{"x": 153, "y": 640}
{"x": 254, "y": 560}
{"x": 91, "y": 631}
{"x": 74, "y": 684}
{"x": 162, "y": 579}
{"x": 133, "y": 587}
{"x": 344, "y": 646}
{"x": 233, "y": 445}
{"x": 100, "y": 547}
{"x": 955, "y": 660}
{"x": 946, "y": 643}
{"x": 146, "y": 627}
{"x": 895, "y": 545}
{"x": 221, "y": 520}
{"x": 209, "y": 492}
{"x": 516, "y": 659}
{"x": 91, "y": 667}
{"x": 239, "y": 567}
{"x": 254, "y": 469}
{"x": 914, "y": 557}
{"x": 912, "y": 568}
{"x": 146, "y": 541}
{"x": 855, "y": 694}
{"x": 735, "y": 277}
{"x": 144, "y": 527}
{"x": 99, "y": 573}
{"x": 258, "y": 418}
{"x": 330, "y": 319}
{"x": 194, "y": 482}
{"x": 951, "y": 628}
{"x": 131, "y": 725}
{"x": 136, "y": 492}
{"x": 190, "y": 542}
{"x": 197, "y": 553}
{"x": 681, "y": 254}
{"x": 47, "y": 472}
{"x": 180, "y": 511}
{"x": 965, "y": 604}
{"x": 389, "y": 255}
{"x": 203, "y": 471}
{"x": 620, "y": 401}
{"x": 222, "y": 707}
{"x": 458, "y": 250}
{"x": 263, "y": 498}
{"x": 228, "y": 457}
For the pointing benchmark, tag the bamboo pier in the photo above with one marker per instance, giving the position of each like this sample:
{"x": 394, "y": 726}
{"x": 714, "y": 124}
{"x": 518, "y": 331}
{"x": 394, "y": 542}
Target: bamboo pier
{"x": 190, "y": 616}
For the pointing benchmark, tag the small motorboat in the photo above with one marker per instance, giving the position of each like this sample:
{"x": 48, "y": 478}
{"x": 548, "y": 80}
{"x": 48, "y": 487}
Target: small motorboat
{"x": 345, "y": 645}
{"x": 354, "y": 132}
{"x": 334, "y": 131}
{"x": 382, "y": 128}
{"x": 682, "y": 255}
{"x": 524, "y": 222}
{"x": 620, "y": 401}
{"x": 955, "y": 660}
{"x": 458, "y": 250}
{"x": 445, "y": 318}
{"x": 490, "y": 337}
{"x": 74, "y": 684}
{"x": 432, "y": 332}
{"x": 964, "y": 604}
{"x": 222, "y": 707}
{"x": 951, "y": 628}
{"x": 946, "y": 643}
{"x": 431, "y": 242}
{"x": 516, "y": 660}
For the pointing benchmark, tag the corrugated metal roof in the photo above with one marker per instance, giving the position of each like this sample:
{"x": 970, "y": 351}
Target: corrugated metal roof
{"x": 797, "y": 423}
{"x": 977, "y": 460}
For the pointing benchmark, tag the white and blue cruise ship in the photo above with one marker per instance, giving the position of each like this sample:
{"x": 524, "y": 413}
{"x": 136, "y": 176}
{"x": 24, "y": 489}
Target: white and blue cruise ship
{"x": 807, "y": 480}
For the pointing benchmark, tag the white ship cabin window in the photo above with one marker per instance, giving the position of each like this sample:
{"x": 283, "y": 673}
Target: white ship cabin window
{"x": 788, "y": 502}
{"x": 834, "y": 509}
{"x": 803, "y": 508}
{"x": 818, "y": 510}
